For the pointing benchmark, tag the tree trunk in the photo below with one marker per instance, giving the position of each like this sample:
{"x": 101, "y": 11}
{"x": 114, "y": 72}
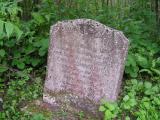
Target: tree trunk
{"x": 107, "y": 2}
{"x": 156, "y": 10}
{"x": 26, "y": 6}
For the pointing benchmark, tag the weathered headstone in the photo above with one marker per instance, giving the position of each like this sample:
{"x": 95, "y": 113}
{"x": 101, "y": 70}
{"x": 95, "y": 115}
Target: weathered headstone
{"x": 85, "y": 64}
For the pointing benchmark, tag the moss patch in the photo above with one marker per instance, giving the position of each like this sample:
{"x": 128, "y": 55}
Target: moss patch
{"x": 37, "y": 107}
{"x": 46, "y": 112}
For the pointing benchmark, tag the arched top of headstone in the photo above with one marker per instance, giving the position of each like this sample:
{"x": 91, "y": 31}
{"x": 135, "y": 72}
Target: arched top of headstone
{"x": 86, "y": 26}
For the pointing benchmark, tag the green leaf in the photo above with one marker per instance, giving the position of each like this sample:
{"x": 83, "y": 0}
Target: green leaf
{"x": 148, "y": 92}
{"x": 35, "y": 62}
{"x": 44, "y": 43}
{"x": 146, "y": 71}
{"x": 134, "y": 81}
{"x": 2, "y": 52}
{"x": 148, "y": 85}
{"x": 153, "y": 63}
{"x": 108, "y": 114}
{"x": 18, "y": 32}
{"x": 1, "y": 43}
{"x": 156, "y": 71}
{"x": 42, "y": 52}
{"x": 142, "y": 61}
{"x": 130, "y": 60}
{"x": 157, "y": 101}
{"x": 102, "y": 108}
{"x": 9, "y": 28}
{"x": 155, "y": 89}
{"x": 38, "y": 117}
{"x": 20, "y": 65}
{"x": 3, "y": 69}
{"x": 158, "y": 61}
{"x": 127, "y": 118}
{"x": 132, "y": 102}
{"x": 132, "y": 71}
{"x": 48, "y": 17}
{"x": 29, "y": 49}
{"x": 10, "y": 43}
{"x": 126, "y": 106}
{"x": 1, "y": 27}
{"x": 38, "y": 18}
{"x": 17, "y": 54}
{"x": 126, "y": 98}
{"x": 147, "y": 105}
{"x": 111, "y": 107}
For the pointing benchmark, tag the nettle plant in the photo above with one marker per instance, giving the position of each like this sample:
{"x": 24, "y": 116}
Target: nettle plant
{"x": 110, "y": 110}
{"x": 143, "y": 53}
{"x": 22, "y": 88}
{"x": 7, "y": 29}
{"x": 19, "y": 46}
{"x": 22, "y": 50}
{"x": 143, "y": 61}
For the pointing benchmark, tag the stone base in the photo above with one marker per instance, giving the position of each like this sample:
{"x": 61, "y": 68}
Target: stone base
{"x": 69, "y": 102}
{"x": 56, "y": 113}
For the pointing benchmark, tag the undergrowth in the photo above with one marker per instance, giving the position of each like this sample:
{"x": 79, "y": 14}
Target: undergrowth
{"x": 24, "y": 45}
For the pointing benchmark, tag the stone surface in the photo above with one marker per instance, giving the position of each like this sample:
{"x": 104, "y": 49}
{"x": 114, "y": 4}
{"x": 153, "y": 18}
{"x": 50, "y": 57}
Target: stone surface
{"x": 85, "y": 64}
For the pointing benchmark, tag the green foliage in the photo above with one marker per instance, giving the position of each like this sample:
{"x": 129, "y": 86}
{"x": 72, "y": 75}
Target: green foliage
{"x": 22, "y": 51}
{"x": 2, "y": 53}
{"x": 17, "y": 94}
{"x": 140, "y": 101}
{"x": 38, "y": 117}
{"x": 110, "y": 110}
{"x": 81, "y": 115}
{"x": 24, "y": 45}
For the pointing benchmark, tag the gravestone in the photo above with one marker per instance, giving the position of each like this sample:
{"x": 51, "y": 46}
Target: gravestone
{"x": 85, "y": 64}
